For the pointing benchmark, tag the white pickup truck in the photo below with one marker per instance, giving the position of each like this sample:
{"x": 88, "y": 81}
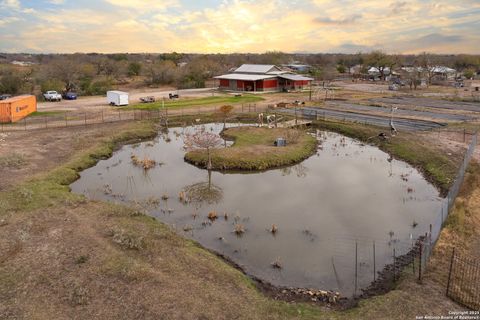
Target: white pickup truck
{"x": 52, "y": 96}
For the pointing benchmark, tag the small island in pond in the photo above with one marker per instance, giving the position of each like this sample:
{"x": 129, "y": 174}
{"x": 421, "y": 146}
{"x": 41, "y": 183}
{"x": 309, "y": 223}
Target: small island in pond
{"x": 254, "y": 149}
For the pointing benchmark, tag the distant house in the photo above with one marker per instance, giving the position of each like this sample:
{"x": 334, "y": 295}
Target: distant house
{"x": 22, "y": 63}
{"x": 443, "y": 73}
{"x": 262, "y": 77}
{"x": 376, "y": 71}
{"x": 297, "y": 67}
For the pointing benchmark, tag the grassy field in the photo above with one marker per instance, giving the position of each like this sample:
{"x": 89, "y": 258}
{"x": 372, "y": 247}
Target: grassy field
{"x": 63, "y": 256}
{"x": 194, "y": 102}
{"x": 254, "y": 149}
{"x": 46, "y": 113}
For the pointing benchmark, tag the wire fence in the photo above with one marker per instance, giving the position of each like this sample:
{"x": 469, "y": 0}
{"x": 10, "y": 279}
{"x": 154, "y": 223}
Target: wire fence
{"x": 449, "y": 201}
{"x": 60, "y": 119}
{"x": 463, "y": 284}
{"x": 412, "y": 255}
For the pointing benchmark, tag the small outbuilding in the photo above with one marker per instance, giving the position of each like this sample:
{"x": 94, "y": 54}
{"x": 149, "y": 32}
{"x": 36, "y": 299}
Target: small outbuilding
{"x": 16, "y": 108}
{"x": 117, "y": 98}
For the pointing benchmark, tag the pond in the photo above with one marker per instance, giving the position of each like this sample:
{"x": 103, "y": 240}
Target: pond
{"x": 345, "y": 198}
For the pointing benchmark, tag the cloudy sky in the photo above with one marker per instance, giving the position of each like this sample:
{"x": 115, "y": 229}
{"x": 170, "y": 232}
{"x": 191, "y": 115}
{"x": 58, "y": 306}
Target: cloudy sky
{"x": 225, "y": 26}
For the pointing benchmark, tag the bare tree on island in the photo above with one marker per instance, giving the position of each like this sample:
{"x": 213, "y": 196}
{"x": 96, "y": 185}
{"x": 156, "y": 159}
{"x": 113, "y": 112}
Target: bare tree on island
{"x": 203, "y": 140}
{"x": 225, "y": 111}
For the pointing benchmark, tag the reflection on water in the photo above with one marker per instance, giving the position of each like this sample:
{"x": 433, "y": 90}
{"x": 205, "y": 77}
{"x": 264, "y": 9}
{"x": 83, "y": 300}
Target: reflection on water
{"x": 345, "y": 194}
{"x": 201, "y": 193}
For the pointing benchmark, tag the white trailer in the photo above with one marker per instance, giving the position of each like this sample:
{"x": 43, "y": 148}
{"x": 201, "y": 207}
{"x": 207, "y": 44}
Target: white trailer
{"x": 117, "y": 98}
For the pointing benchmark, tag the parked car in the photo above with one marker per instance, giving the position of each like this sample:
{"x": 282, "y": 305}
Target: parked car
{"x": 148, "y": 99}
{"x": 5, "y": 96}
{"x": 70, "y": 95}
{"x": 393, "y": 87}
{"x": 173, "y": 96}
{"x": 52, "y": 96}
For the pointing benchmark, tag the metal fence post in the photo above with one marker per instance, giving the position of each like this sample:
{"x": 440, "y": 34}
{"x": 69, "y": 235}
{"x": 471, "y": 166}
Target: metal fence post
{"x": 85, "y": 114}
{"x": 374, "y": 264}
{"x": 356, "y": 266}
{"x": 414, "y": 249}
{"x": 450, "y": 271}
{"x": 25, "y": 121}
{"x": 420, "y": 263}
{"x": 394, "y": 265}
{"x": 102, "y": 117}
{"x": 66, "y": 120}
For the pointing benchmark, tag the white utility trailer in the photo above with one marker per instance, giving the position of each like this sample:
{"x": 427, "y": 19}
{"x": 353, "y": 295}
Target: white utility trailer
{"x": 117, "y": 98}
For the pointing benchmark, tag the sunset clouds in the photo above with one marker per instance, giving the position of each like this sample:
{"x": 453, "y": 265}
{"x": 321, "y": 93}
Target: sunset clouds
{"x": 405, "y": 26}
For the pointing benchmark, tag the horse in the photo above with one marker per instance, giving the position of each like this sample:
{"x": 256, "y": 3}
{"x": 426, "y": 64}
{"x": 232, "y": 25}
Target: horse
{"x": 260, "y": 119}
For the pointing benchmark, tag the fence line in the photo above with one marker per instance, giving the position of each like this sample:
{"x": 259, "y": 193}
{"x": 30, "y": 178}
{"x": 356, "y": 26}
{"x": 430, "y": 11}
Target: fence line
{"x": 72, "y": 119}
{"x": 463, "y": 284}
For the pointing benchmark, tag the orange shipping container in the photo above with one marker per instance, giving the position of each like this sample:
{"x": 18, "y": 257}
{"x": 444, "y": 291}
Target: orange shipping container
{"x": 17, "y": 108}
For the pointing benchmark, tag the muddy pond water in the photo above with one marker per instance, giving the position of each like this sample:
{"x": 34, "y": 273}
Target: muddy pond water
{"x": 347, "y": 195}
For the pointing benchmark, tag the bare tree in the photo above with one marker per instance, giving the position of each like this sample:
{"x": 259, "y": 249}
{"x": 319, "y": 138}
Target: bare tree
{"x": 428, "y": 63}
{"x": 225, "y": 111}
{"x": 162, "y": 72}
{"x": 203, "y": 140}
{"x": 381, "y": 61}
{"x": 412, "y": 74}
{"x": 67, "y": 70}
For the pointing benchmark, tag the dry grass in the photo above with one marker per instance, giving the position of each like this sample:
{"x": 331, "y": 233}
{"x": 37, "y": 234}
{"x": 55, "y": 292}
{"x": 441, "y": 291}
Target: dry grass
{"x": 273, "y": 229}
{"x": 13, "y": 160}
{"x": 239, "y": 229}
{"x": 146, "y": 163}
{"x": 212, "y": 215}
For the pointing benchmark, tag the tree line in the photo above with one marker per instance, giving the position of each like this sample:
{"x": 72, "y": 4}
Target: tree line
{"x": 94, "y": 73}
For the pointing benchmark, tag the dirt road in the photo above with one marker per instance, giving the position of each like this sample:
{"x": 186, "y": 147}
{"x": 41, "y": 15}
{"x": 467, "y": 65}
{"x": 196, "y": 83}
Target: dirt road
{"x": 431, "y": 103}
{"x": 377, "y": 120}
{"x": 384, "y": 111}
{"x": 96, "y": 103}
